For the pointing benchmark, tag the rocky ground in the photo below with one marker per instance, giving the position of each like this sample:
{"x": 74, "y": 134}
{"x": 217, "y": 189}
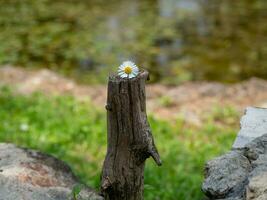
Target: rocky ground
{"x": 192, "y": 100}
{"x": 241, "y": 174}
{"x": 27, "y": 174}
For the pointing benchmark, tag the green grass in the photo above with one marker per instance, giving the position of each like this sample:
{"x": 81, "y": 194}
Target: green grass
{"x": 75, "y": 132}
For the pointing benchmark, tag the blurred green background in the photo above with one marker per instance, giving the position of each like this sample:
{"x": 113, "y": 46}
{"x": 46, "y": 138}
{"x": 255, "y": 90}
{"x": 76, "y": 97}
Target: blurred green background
{"x": 177, "y": 40}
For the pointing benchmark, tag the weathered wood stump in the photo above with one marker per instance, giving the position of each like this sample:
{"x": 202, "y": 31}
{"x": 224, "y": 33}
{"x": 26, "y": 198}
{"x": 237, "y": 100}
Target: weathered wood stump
{"x": 130, "y": 141}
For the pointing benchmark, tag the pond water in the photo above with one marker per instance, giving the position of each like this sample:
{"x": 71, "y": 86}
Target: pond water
{"x": 177, "y": 40}
{"x": 188, "y": 39}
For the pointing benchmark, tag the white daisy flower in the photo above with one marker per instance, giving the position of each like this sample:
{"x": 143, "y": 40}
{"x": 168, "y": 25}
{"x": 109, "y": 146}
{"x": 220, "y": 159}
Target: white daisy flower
{"x": 128, "y": 70}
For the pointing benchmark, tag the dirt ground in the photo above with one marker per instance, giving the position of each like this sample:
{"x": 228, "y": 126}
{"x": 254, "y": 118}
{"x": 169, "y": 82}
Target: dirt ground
{"x": 191, "y": 100}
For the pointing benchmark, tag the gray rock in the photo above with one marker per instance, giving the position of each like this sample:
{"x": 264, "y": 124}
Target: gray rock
{"x": 32, "y": 175}
{"x": 240, "y": 174}
{"x": 226, "y": 176}
{"x": 256, "y": 148}
{"x": 253, "y": 125}
{"x": 257, "y": 188}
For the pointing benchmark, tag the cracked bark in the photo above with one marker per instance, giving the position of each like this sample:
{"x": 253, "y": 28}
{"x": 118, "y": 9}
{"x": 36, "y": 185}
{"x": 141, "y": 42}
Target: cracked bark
{"x": 130, "y": 141}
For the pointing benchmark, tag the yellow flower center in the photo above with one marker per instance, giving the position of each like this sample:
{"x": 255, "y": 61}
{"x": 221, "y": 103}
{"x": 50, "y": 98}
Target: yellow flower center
{"x": 128, "y": 70}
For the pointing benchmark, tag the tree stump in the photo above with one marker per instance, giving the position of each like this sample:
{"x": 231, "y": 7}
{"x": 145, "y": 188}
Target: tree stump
{"x": 130, "y": 141}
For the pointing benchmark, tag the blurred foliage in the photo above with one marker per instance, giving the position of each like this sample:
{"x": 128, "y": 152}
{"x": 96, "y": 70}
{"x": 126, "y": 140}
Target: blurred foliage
{"x": 233, "y": 46}
{"x": 177, "y": 41}
{"x": 75, "y": 132}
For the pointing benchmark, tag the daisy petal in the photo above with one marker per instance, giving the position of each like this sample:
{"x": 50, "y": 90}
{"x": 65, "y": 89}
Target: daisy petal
{"x": 128, "y": 70}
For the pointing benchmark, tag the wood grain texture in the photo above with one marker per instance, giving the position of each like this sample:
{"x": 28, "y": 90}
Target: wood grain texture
{"x": 130, "y": 141}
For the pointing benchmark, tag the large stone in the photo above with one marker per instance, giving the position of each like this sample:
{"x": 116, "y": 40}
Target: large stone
{"x": 256, "y": 152}
{"x": 257, "y": 188}
{"x": 226, "y": 175}
{"x": 253, "y": 125}
{"x": 32, "y": 175}
{"x": 240, "y": 174}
